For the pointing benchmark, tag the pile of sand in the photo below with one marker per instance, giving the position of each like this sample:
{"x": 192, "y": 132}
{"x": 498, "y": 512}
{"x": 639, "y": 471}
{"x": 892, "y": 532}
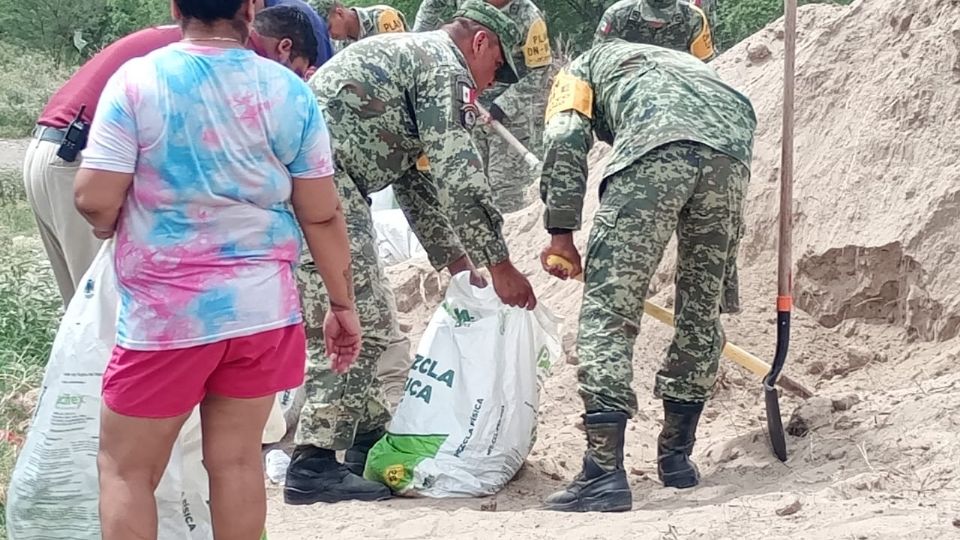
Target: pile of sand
{"x": 878, "y": 295}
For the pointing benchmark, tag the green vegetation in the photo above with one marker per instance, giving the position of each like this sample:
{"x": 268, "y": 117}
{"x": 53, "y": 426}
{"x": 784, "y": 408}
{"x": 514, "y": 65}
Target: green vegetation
{"x": 29, "y": 78}
{"x": 30, "y": 310}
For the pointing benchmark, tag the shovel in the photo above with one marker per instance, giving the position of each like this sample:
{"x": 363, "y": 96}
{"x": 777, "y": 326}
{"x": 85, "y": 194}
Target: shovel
{"x": 784, "y": 273}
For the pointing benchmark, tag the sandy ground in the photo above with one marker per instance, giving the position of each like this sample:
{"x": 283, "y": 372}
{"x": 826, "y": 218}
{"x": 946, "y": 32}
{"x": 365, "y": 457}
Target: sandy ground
{"x": 877, "y": 218}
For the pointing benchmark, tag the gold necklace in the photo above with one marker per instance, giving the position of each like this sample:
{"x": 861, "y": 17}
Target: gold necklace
{"x": 215, "y": 38}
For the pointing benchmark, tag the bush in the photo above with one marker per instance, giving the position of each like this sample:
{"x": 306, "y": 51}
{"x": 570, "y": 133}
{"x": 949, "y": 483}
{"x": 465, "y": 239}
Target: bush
{"x": 30, "y": 310}
{"x": 29, "y": 79}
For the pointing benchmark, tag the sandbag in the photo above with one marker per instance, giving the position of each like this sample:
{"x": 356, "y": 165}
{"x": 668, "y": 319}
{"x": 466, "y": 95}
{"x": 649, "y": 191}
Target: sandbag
{"x": 468, "y": 417}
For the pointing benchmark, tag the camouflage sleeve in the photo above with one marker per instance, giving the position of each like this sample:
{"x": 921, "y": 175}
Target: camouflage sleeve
{"x": 418, "y": 197}
{"x": 605, "y": 27}
{"x": 532, "y": 64}
{"x": 563, "y": 180}
{"x": 445, "y": 113}
{"x": 432, "y": 13}
{"x": 614, "y": 21}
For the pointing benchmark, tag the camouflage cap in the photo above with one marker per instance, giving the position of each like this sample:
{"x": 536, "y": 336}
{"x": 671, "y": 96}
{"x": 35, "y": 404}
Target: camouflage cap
{"x": 500, "y": 24}
{"x": 661, "y": 11}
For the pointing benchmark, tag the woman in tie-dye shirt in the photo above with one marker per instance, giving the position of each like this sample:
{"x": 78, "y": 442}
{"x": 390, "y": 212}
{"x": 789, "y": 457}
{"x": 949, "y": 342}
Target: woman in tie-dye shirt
{"x": 197, "y": 154}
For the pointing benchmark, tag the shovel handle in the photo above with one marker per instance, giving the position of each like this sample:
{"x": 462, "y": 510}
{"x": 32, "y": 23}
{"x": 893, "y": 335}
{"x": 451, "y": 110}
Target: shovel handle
{"x": 731, "y": 351}
{"x": 530, "y": 159}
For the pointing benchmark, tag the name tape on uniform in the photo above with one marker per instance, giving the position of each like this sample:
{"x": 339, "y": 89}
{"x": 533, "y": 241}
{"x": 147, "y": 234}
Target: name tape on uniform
{"x": 570, "y": 93}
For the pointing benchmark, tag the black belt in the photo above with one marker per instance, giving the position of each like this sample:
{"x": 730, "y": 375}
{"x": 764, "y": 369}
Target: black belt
{"x": 49, "y": 134}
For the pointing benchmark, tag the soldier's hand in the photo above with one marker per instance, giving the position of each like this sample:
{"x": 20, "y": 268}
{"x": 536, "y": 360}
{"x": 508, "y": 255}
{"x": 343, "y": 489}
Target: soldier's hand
{"x": 562, "y": 246}
{"x": 342, "y": 337}
{"x": 511, "y": 286}
{"x": 464, "y": 264}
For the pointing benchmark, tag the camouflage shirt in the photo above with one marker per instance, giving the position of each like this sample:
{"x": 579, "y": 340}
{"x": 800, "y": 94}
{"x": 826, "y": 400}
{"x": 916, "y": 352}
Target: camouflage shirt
{"x": 433, "y": 13}
{"x": 688, "y": 31}
{"x": 531, "y": 56}
{"x": 635, "y": 97}
{"x": 398, "y": 106}
{"x": 375, "y": 20}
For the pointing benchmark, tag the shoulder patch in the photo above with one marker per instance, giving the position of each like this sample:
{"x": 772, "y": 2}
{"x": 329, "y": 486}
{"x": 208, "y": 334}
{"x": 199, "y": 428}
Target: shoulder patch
{"x": 465, "y": 104}
{"x": 536, "y": 50}
{"x": 390, "y": 21}
{"x": 702, "y": 44}
{"x": 570, "y": 93}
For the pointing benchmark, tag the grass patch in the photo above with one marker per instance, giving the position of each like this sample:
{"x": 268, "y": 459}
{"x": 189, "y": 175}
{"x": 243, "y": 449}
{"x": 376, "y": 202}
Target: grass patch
{"x": 29, "y": 79}
{"x": 30, "y": 311}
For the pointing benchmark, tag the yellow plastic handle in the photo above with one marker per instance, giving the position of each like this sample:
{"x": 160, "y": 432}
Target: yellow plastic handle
{"x": 556, "y": 260}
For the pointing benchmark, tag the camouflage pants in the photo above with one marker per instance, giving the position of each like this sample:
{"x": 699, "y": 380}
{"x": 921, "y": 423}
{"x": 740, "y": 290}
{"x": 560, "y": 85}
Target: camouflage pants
{"x": 340, "y": 406}
{"x": 683, "y": 187}
{"x": 508, "y": 173}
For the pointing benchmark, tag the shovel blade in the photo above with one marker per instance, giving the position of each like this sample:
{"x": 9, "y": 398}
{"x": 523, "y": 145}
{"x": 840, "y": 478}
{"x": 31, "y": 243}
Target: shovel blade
{"x": 775, "y": 423}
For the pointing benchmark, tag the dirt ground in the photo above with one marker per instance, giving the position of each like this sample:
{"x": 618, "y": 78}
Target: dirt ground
{"x": 877, "y": 232}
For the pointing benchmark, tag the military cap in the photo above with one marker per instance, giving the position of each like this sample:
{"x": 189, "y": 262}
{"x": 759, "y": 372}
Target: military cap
{"x": 500, "y": 24}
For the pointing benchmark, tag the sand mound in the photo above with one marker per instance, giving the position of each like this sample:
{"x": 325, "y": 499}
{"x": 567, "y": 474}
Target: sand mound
{"x": 877, "y": 209}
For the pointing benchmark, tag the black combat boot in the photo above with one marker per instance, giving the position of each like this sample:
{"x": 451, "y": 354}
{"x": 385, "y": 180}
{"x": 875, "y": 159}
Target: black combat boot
{"x": 675, "y": 444}
{"x": 602, "y": 484}
{"x": 355, "y": 457}
{"x": 315, "y": 476}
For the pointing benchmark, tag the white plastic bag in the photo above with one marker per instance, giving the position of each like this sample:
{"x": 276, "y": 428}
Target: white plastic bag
{"x": 54, "y": 491}
{"x": 396, "y": 241}
{"x": 468, "y": 418}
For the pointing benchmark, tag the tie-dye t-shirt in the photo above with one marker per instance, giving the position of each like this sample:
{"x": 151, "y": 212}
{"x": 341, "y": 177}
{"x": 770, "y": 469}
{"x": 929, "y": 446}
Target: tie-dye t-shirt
{"x": 206, "y": 242}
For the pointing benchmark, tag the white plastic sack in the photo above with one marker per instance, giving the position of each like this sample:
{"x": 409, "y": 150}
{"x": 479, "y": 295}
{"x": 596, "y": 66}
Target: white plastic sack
{"x": 54, "y": 490}
{"x": 383, "y": 199}
{"x": 468, "y": 418}
{"x": 396, "y": 241}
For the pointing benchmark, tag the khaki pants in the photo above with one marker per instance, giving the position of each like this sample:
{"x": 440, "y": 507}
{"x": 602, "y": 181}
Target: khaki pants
{"x": 67, "y": 237}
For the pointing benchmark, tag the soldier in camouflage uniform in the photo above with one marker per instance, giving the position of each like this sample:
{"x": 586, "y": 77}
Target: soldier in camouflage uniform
{"x": 513, "y": 105}
{"x": 350, "y": 24}
{"x": 398, "y": 106}
{"x": 681, "y": 26}
{"x": 674, "y": 24}
{"x": 682, "y": 143}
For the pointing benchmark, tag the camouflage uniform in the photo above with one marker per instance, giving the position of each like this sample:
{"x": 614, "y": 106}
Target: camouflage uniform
{"x": 375, "y": 20}
{"x": 509, "y": 175}
{"x": 682, "y": 143}
{"x": 433, "y": 13}
{"x": 686, "y": 30}
{"x": 395, "y": 362}
{"x": 674, "y": 24}
{"x": 397, "y": 106}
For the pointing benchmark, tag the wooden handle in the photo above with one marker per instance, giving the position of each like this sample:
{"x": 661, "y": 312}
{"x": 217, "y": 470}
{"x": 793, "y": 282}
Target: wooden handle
{"x": 731, "y": 351}
{"x": 504, "y": 133}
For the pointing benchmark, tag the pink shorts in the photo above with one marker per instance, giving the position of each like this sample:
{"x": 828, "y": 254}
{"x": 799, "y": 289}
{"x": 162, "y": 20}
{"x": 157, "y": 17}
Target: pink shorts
{"x": 163, "y": 384}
